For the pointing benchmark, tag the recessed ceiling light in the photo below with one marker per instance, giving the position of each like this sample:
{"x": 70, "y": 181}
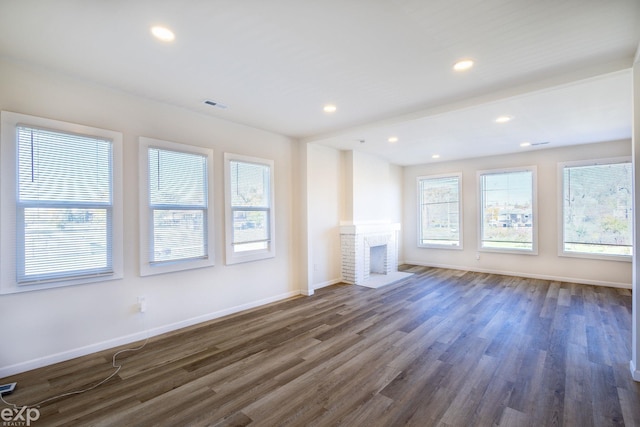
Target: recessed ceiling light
{"x": 163, "y": 33}
{"x": 463, "y": 65}
{"x": 330, "y": 108}
{"x": 525, "y": 144}
{"x": 504, "y": 119}
{"x": 393, "y": 139}
{"x": 435, "y": 156}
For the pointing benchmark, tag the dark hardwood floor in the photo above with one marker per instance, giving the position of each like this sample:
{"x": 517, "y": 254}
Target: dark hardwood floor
{"x": 442, "y": 348}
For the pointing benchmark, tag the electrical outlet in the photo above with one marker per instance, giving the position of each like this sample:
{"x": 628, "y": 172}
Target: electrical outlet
{"x": 142, "y": 304}
{"x": 478, "y": 256}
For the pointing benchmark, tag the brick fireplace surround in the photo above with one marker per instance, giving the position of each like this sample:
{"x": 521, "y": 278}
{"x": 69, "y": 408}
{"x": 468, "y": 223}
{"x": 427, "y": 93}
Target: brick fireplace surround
{"x": 356, "y": 241}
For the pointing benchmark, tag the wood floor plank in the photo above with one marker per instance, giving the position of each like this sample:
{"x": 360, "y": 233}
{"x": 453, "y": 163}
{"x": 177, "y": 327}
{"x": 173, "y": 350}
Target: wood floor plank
{"x": 367, "y": 414}
{"x": 513, "y": 418}
{"x": 463, "y": 408}
{"x": 440, "y": 348}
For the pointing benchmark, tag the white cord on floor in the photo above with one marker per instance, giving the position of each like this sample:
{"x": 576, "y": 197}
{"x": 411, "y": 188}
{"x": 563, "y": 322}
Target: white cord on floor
{"x": 113, "y": 363}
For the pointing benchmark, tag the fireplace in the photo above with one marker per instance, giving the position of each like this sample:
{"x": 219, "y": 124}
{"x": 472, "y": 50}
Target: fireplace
{"x": 378, "y": 259}
{"x": 370, "y": 254}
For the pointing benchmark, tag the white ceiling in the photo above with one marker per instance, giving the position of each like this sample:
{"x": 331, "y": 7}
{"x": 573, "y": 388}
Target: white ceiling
{"x": 560, "y": 68}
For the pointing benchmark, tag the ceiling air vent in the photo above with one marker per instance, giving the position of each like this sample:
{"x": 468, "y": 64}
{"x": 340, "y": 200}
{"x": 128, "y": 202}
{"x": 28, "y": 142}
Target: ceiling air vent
{"x": 215, "y": 104}
{"x": 539, "y": 143}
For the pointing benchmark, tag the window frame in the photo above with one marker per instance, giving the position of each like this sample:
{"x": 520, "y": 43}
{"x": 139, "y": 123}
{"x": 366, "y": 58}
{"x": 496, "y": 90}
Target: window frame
{"x": 534, "y": 210}
{"x": 147, "y": 268}
{"x": 10, "y": 121}
{"x": 561, "y": 233}
{"x": 419, "y": 180}
{"x": 233, "y": 257}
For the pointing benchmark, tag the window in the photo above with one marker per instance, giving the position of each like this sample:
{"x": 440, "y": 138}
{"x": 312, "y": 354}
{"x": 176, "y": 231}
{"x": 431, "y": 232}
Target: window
{"x": 507, "y": 210}
{"x": 249, "y": 208}
{"x": 61, "y": 204}
{"x": 175, "y": 216}
{"x": 597, "y": 216}
{"x": 440, "y": 222}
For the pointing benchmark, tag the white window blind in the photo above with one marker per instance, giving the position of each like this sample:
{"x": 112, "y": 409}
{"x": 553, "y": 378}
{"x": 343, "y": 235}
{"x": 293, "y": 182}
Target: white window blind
{"x": 178, "y": 205}
{"x": 439, "y": 201}
{"x": 597, "y": 209}
{"x": 250, "y": 205}
{"x": 64, "y": 205}
{"x": 507, "y": 210}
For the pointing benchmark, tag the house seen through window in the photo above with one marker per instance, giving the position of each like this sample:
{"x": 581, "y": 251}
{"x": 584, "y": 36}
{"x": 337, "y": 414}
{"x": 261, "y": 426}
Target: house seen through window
{"x": 507, "y": 210}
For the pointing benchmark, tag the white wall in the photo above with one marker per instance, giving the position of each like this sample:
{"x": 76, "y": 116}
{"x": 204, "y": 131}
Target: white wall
{"x": 635, "y": 120}
{"x": 345, "y": 187}
{"x": 547, "y": 264}
{"x": 377, "y": 190}
{"x": 43, "y": 327}
{"x": 325, "y": 182}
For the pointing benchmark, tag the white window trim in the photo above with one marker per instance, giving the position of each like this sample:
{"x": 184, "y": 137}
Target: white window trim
{"x": 146, "y": 268}
{"x": 458, "y": 246}
{"x": 584, "y": 255}
{"x": 8, "y": 239}
{"x": 534, "y": 210}
{"x": 236, "y": 258}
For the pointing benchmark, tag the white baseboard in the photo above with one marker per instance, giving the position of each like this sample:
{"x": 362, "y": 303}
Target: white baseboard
{"x": 327, "y": 283}
{"x": 635, "y": 374}
{"x": 6, "y": 371}
{"x": 527, "y": 275}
